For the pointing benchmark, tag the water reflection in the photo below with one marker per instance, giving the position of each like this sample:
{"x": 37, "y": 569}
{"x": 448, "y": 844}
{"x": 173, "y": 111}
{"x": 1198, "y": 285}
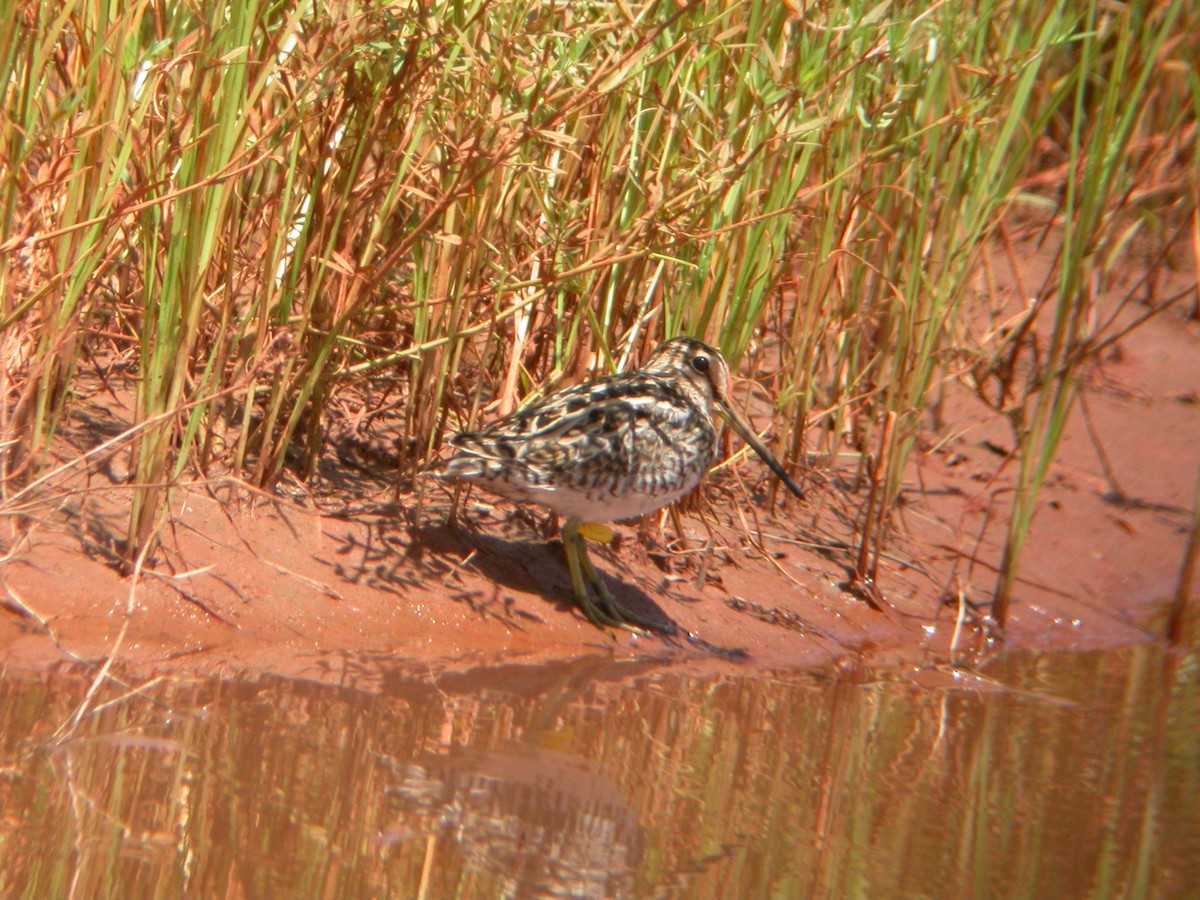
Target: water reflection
{"x": 1058, "y": 775}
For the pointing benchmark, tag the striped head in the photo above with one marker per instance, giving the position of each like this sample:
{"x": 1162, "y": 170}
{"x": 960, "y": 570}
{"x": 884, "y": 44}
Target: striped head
{"x": 694, "y": 367}
{"x": 702, "y": 372}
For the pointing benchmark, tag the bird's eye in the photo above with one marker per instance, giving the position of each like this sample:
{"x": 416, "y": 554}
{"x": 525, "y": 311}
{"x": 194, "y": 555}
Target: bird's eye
{"x": 700, "y": 363}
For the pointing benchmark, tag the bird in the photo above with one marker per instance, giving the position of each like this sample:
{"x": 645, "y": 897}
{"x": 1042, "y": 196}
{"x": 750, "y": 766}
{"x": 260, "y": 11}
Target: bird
{"x": 611, "y": 450}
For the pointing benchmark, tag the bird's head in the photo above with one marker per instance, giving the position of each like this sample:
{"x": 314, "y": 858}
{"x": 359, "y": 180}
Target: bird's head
{"x": 705, "y": 373}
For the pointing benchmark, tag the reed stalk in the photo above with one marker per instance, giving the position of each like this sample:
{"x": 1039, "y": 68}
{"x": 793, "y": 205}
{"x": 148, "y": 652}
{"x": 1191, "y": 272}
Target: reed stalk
{"x": 271, "y": 213}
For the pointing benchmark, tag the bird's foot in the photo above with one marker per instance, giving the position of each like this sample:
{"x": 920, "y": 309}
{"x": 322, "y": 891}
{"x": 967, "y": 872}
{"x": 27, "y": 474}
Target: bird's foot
{"x": 598, "y": 603}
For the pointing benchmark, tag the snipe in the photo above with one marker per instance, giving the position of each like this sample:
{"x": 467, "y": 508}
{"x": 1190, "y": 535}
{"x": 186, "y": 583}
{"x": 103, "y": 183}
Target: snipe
{"x": 611, "y": 450}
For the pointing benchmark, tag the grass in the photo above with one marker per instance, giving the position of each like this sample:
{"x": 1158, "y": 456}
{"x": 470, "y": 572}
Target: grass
{"x": 264, "y": 208}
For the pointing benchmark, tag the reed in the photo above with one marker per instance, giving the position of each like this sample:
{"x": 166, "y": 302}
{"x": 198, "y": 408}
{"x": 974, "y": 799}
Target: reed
{"x": 1109, "y": 84}
{"x": 264, "y": 209}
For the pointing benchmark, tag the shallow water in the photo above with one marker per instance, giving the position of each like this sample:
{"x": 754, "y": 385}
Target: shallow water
{"x": 1053, "y": 775}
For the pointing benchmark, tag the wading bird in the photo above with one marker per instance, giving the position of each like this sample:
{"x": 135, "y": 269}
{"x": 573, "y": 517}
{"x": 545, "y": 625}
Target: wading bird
{"x": 612, "y": 450}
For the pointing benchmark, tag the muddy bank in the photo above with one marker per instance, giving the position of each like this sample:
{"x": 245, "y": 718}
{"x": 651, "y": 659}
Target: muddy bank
{"x": 285, "y": 584}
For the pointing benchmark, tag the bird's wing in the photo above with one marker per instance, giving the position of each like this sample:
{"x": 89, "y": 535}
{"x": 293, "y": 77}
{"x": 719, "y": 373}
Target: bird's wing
{"x": 586, "y": 427}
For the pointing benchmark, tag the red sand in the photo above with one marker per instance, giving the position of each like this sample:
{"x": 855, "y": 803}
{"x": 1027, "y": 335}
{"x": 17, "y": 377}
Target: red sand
{"x": 299, "y": 584}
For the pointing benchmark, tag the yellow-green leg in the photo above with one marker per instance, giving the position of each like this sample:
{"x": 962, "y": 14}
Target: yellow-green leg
{"x": 607, "y": 612}
{"x": 575, "y": 550}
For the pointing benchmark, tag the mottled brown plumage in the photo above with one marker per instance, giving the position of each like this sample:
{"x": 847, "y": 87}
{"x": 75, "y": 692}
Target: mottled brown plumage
{"x": 611, "y": 450}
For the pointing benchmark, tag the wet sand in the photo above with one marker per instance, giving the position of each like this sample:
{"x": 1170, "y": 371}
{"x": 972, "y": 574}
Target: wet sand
{"x": 245, "y": 583}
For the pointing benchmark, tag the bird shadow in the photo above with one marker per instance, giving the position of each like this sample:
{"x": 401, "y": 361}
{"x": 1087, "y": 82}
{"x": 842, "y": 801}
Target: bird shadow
{"x": 527, "y": 566}
{"x": 410, "y": 546}
{"x": 403, "y": 550}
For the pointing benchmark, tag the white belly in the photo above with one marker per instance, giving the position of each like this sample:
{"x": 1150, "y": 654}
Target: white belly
{"x": 600, "y": 504}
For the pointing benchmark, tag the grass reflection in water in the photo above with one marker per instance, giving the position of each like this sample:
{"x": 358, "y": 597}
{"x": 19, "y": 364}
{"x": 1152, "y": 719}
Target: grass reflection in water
{"x": 1060, "y": 776}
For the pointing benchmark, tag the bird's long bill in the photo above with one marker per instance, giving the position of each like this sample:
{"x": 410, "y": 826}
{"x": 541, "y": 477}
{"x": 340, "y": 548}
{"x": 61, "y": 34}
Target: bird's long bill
{"x": 742, "y": 427}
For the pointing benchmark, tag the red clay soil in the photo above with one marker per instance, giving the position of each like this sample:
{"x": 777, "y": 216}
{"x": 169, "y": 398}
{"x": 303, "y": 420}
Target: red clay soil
{"x": 308, "y": 582}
